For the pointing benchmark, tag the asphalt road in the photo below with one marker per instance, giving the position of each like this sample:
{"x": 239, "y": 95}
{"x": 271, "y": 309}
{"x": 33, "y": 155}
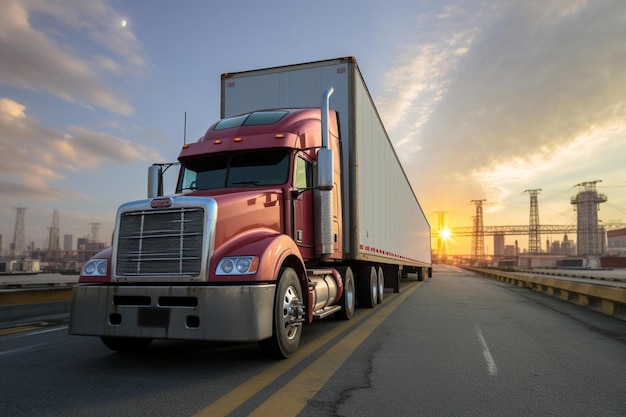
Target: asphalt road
{"x": 463, "y": 345}
{"x": 455, "y": 345}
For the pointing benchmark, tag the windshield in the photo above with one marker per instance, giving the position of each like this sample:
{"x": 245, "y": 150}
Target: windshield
{"x": 251, "y": 119}
{"x": 237, "y": 170}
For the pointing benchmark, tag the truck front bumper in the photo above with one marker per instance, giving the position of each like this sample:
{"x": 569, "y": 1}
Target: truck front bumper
{"x": 224, "y": 313}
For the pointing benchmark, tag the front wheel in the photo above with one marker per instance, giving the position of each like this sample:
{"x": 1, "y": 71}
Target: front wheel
{"x": 288, "y": 316}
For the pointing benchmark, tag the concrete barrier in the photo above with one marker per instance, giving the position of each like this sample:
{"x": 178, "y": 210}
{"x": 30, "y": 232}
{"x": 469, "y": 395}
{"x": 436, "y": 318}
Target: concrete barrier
{"x": 605, "y": 299}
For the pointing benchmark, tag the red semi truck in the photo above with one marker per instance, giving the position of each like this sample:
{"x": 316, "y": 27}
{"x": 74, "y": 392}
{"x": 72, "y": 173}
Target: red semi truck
{"x": 291, "y": 207}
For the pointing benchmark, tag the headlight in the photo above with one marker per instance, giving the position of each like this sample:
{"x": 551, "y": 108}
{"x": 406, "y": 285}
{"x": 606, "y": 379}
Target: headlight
{"x": 227, "y": 266}
{"x": 242, "y": 265}
{"x": 95, "y": 268}
{"x": 238, "y": 265}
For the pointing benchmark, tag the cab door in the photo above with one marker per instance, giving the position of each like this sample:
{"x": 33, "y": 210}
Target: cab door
{"x": 303, "y": 207}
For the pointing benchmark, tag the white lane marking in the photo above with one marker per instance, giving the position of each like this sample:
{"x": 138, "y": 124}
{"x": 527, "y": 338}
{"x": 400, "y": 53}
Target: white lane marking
{"x": 491, "y": 364}
{"x": 47, "y": 330}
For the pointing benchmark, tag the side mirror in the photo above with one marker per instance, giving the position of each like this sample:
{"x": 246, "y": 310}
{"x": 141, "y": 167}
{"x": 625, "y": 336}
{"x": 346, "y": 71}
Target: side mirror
{"x": 155, "y": 181}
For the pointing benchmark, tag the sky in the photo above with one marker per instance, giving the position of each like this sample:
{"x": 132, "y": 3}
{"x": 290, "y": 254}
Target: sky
{"x": 482, "y": 99}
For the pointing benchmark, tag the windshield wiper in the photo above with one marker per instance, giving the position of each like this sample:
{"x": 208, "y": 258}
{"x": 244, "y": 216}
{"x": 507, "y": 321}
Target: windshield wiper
{"x": 245, "y": 183}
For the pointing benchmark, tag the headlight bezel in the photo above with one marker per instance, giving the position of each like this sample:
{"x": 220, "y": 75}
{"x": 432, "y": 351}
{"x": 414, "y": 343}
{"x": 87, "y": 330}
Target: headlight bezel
{"x": 238, "y": 265}
{"x": 95, "y": 268}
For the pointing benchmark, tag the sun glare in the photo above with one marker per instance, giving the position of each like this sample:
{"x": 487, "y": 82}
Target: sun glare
{"x": 445, "y": 234}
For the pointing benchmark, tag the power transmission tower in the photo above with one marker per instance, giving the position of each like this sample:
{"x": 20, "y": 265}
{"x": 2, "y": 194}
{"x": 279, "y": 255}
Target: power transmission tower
{"x": 587, "y": 203}
{"x": 19, "y": 238}
{"x": 478, "y": 235}
{"x": 534, "y": 239}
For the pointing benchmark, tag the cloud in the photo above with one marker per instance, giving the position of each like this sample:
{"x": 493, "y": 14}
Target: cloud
{"x": 40, "y": 58}
{"x": 420, "y": 76}
{"x": 40, "y": 155}
{"x": 507, "y": 91}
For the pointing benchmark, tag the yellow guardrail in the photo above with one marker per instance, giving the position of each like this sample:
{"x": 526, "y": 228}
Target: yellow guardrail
{"x": 34, "y": 296}
{"x": 23, "y": 304}
{"x": 605, "y": 299}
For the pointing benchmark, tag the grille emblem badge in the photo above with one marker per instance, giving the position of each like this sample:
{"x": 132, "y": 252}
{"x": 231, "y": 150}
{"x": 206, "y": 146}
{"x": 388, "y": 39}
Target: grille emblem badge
{"x": 161, "y": 203}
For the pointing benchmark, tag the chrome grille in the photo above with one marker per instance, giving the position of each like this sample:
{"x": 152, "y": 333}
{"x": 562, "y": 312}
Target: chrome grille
{"x": 160, "y": 243}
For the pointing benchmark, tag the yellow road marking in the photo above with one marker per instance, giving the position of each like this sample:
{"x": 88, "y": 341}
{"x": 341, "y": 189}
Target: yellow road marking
{"x": 19, "y": 329}
{"x": 293, "y": 397}
{"x": 238, "y": 396}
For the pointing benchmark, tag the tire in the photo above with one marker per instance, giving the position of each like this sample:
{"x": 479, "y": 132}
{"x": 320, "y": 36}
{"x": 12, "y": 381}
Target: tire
{"x": 381, "y": 285}
{"x": 288, "y": 316}
{"x": 367, "y": 290}
{"x": 126, "y": 344}
{"x": 348, "y": 299}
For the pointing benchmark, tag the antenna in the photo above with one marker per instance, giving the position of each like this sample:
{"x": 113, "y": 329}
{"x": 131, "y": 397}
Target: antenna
{"x": 185, "y": 131}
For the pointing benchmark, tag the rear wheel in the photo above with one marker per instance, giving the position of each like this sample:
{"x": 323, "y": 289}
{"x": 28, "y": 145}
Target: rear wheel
{"x": 348, "y": 299}
{"x": 368, "y": 287}
{"x": 288, "y": 316}
{"x": 126, "y": 344}
{"x": 381, "y": 285}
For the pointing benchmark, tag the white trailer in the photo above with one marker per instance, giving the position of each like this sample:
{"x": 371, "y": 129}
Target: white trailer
{"x": 383, "y": 221}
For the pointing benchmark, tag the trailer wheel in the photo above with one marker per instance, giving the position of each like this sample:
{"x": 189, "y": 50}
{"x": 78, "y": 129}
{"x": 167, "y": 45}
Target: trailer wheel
{"x": 348, "y": 299}
{"x": 126, "y": 344}
{"x": 381, "y": 285}
{"x": 288, "y": 317}
{"x": 367, "y": 289}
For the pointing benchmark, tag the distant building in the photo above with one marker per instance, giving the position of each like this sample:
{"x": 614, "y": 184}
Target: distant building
{"x": 509, "y": 250}
{"x": 555, "y": 247}
{"x": 67, "y": 242}
{"x": 498, "y": 244}
{"x": 616, "y": 242}
{"x": 567, "y": 246}
{"x": 94, "y": 247}
{"x": 589, "y": 235}
{"x": 81, "y": 243}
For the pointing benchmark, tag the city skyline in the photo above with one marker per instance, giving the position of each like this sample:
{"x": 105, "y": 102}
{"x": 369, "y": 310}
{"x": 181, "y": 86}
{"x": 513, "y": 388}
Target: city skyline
{"x": 482, "y": 100}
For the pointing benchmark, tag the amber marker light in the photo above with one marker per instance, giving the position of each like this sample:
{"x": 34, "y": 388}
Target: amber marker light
{"x": 185, "y": 146}
{"x": 237, "y": 139}
{"x": 254, "y": 264}
{"x": 279, "y": 135}
{"x": 217, "y": 141}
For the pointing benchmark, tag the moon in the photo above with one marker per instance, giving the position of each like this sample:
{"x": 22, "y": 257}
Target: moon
{"x": 123, "y": 23}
